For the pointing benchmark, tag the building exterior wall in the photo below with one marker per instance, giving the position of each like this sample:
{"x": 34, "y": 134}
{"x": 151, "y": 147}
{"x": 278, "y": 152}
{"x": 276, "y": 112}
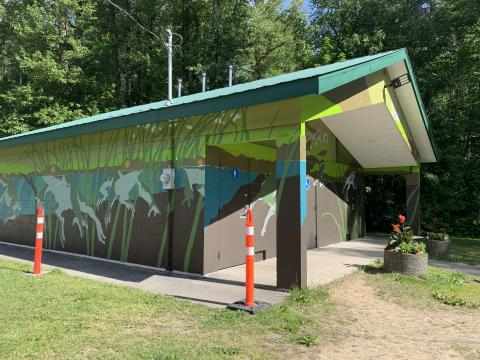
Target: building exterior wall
{"x": 103, "y": 195}
{"x": 335, "y": 195}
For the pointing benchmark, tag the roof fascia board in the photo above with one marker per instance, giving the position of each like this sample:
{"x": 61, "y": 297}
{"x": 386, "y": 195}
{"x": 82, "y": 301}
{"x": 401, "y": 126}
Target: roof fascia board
{"x": 418, "y": 98}
{"x": 333, "y": 80}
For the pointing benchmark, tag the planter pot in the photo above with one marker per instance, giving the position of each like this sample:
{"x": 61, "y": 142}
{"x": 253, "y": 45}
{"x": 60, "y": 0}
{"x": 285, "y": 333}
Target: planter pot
{"x": 408, "y": 264}
{"x": 437, "y": 247}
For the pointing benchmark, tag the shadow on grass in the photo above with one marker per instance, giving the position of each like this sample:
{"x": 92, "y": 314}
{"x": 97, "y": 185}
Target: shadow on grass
{"x": 373, "y": 269}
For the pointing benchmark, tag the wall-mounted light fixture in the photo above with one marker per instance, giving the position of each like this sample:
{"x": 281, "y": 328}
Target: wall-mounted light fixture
{"x": 400, "y": 81}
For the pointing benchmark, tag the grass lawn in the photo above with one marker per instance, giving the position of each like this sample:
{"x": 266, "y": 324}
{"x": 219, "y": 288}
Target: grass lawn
{"x": 464, "y": 250}
{"x": 436, "y": 286}
{"x": 59, "y": 316}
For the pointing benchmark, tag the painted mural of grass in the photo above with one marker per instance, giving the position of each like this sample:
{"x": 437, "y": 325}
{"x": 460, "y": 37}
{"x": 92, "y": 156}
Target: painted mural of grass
{"x": 94, "y": 155}
{"x": 113, "y": 230}
{"x": 75, "y": 318}
{"x": 291, "y": 151}
{"x": 90, "y": 156}
{"x": 166, "y": 229}
{"x": 193, "y": 233}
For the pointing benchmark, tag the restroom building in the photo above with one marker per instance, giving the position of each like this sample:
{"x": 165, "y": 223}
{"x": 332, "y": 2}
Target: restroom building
{"x": 167, "y": 186}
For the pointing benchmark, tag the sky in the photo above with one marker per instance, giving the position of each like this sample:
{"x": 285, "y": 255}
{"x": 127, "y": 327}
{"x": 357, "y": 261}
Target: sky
{"x": 306, "y": 2}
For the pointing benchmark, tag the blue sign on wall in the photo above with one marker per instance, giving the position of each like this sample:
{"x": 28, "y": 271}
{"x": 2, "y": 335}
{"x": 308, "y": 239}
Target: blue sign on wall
{"x": 307, "y": 184}
{"x": 235, "y": 173}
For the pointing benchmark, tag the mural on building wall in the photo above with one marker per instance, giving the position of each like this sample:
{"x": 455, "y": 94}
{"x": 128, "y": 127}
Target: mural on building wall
{"x": 103, "y": 195}
{"x": 338, "y": 185}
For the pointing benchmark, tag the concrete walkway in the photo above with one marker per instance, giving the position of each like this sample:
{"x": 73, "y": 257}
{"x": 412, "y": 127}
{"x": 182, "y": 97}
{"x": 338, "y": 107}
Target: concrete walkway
{"x": 217, "y": 293}
{"x": 324, "y": 264}
{"x": 225, "y": 286}
{"x": 468, "y": 269}
{"x": 328, "y": 263}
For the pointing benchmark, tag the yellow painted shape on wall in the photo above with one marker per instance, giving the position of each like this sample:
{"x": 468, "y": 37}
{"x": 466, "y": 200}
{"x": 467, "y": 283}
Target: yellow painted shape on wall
{"x": 378, "y": 94}
{"x": 317, "y": 106}
{"x": 391, "y": 107}
{"x": 376, "y": 84}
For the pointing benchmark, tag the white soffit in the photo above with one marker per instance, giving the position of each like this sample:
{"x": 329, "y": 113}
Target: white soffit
{"x": 408, "y": 102}
{"x": 371, "y": 136}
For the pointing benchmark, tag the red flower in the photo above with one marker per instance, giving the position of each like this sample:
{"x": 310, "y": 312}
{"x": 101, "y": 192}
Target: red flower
{"x": 401, "y": 218}
{"x": 417, "y": 250}
{"x": 396, "y": 228}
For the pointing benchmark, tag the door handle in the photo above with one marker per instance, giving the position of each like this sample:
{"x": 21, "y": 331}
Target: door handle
{"x": 243, "y": 215}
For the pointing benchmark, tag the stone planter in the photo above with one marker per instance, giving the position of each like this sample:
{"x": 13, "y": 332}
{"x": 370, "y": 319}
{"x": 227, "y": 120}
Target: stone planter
{"x": 408, "y": 264}
{"x": 437, "y": 247}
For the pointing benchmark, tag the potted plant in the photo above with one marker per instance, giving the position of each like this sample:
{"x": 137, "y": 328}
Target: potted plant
{"x": 438, "y": 243}
{"x": 402, "y": 254}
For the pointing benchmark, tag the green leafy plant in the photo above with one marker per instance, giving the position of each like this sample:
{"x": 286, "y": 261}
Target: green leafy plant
{"x": 411, "y": 248}
{"x": 449, "y": 299}
{"x": 401, "y": 239}
{"x": 306, "y": 339}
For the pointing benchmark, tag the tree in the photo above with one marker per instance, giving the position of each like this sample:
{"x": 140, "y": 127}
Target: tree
{"x": 442, "y": 38}
{"x": 279, "y": 39}
{"x": 44, "y": 47}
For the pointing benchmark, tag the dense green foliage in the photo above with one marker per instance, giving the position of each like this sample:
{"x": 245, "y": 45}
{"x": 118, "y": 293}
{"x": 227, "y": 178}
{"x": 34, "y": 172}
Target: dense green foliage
{"x": 65, "y": 59}
{"x": 443, "y": 41}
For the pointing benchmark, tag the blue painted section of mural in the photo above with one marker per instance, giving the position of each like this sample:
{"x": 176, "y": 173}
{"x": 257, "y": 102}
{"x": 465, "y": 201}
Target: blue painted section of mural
{"x": 83, "y": 194}
{"x": 16, "y": 198}
{"x": 290, "y": 168}
{"x": 214, "y": 187}
{"x": 287, "y": 168}
{"x": 303, "y": 193}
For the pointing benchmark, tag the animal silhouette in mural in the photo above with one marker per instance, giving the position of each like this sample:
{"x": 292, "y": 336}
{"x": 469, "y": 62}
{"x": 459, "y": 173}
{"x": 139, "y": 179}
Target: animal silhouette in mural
{"x": 122, "y": 187}
{"x": 270, "y": 201}
{"x": 349, "y": 184}
{"x": 66, "y": 197}
{"x": 9, "y": 205}
{"x": 194, "y": 179}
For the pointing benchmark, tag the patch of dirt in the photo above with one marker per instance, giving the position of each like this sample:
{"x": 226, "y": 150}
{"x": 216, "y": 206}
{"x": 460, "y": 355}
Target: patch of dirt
{"x": 378, "y": 328}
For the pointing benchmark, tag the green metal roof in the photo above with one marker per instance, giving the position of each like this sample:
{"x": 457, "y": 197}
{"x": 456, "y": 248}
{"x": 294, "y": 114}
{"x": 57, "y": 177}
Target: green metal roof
{"x": 305, "y": 82}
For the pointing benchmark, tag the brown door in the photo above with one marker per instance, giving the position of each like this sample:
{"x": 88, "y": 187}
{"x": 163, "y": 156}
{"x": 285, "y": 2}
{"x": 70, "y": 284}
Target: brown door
{"x": 245, "y": 182}
{"x": 234, "y": 194}
{"x": 263, "y": 190}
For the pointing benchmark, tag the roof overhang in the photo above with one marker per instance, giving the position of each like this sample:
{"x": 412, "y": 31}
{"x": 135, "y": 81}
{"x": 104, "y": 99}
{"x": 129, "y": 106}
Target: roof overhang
{"x": 414, "y": 112}
{"x": 371, "y": 136}
{"x": 306, "y": 82}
